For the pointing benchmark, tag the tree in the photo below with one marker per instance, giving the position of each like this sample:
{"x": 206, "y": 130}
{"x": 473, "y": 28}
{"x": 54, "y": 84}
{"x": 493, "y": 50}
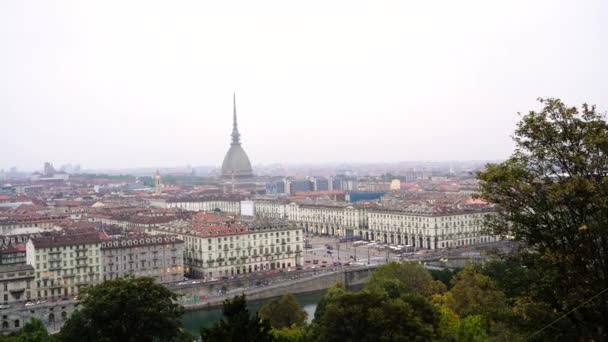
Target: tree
{"x": 551, "y": 195}
{"x": 284, "y": 312}
{"x": 32, "y": 331}
{"x": 126, "y": 309}
{"x": 374, "y": 316}
{"x": 476, "y": 294}
{"x": 408, "y": 276}
{"x": 238, "y": 325}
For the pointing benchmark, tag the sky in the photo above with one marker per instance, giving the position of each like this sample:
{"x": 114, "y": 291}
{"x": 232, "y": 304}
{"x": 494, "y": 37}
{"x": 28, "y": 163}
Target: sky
{"x": 121, "y": 84}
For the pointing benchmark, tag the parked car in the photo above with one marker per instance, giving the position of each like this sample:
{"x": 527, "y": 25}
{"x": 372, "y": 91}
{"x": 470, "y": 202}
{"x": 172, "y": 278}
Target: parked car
{"x": 29, "y": 304}
{"x": 4, "y": 306}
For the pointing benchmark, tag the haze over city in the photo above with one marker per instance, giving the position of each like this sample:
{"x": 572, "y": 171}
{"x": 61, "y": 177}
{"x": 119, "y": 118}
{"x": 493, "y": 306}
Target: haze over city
{"x": 145, "y": 83}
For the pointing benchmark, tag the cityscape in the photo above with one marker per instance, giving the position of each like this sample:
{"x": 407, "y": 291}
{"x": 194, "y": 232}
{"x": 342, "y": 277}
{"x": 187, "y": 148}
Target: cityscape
{"x": 290, "y": 227}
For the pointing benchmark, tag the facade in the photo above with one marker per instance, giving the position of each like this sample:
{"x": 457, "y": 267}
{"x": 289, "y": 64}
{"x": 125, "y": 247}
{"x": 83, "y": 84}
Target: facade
{"x": 65, "y": 263}
{"x": 159, "y": 257}
{"x": 237, "y": 247}
{"x": 224, "y": 205}
{"x": 17, "y": 283}
{"x": 428, "y": 229}
{"x": 270, "y": 209}
{"x": 12, "y": 254}
{"x": 331, "y": 218}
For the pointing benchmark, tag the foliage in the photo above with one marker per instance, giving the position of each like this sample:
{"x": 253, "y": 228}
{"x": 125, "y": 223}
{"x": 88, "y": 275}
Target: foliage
{"x": 32, "y": 331}
{"x": 238, "y": 325}
{"x": 444, "y": 276}
{"x": 405, "y": 276}
{"x": 374, "y": 316}
{"x": 293, "y": 333}
{"x": 552, "y": 196}
{"x": 509, "y": 276}
{"x": 125, "y": 309}
{"x": 476, "y": 294}
{"x": 284, "y": 312}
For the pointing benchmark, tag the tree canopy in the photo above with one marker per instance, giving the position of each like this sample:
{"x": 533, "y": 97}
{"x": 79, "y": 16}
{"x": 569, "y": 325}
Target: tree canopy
{"x": 32, "y": 331}
{"x": 126, "y": 309}
{"x": 284, "y": 312}
{"x": 552, "y": 196}
{"x": 238, "y": 325}
{"x": 412, "y": 277}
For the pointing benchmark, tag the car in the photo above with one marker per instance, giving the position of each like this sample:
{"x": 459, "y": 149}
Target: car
{"x": 29, "y": 304}
{"x": 41, "y": 302}
{"x": 4, "y": 306}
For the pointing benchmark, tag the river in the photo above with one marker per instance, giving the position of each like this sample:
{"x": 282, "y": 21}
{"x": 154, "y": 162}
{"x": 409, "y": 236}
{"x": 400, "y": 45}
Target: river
{"x": 194, "y": 320}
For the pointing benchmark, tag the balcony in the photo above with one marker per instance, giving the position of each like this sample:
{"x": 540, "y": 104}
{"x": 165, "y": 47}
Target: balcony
{"x": 55, "y": 252}
{"x": 219, "y": 259}
{"x": 82, "y": 257}
{"x": 81, "y": 249}
{"x": 55, "y": 268}
{"x": 232, "y": 258}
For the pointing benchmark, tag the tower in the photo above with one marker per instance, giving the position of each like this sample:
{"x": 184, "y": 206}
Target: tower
{"x": 157, "y": 183}
{"x": 236, "y": 167}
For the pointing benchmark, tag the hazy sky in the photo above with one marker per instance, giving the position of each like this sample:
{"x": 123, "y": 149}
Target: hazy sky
{"x": 145, "y": 83}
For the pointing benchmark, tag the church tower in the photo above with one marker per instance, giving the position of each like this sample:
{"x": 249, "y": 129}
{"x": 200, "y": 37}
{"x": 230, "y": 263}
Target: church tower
{"x": 157, "y": 183}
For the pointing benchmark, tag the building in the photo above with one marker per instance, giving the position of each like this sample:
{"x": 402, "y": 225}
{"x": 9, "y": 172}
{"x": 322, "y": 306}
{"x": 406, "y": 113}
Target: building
{"x": 429, "y": 226}
{"x": 232, "y": 247}
{"x": 300, "y": 185}
{"x": 237, "y": 173}
{"x": 64, "y": 263}
{"x": 12, "y": 254}
{"x": 17, "y": 283}
{"x": 230, "y": 204}
{"x": 159, "y": 257}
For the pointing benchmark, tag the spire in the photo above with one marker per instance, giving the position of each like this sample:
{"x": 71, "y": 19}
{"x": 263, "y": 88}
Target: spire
{"x": 235, "y": 131}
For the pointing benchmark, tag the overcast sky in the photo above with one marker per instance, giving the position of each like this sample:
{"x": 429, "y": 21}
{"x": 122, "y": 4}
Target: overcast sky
{"x": 117, "y": 84}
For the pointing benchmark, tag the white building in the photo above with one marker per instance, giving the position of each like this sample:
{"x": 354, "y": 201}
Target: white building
{"x": 237, "y": 247}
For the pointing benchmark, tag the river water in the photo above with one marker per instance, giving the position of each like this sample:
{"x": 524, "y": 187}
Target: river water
{"x": 194, "y": 320}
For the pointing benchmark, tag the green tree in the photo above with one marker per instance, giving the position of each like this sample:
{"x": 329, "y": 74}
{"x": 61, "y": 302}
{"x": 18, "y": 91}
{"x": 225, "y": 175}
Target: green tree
{"x": 238, "y": 325}
{"x": 374, "y": 316}
{"x": 406, "y": 276}
{"x": 126, "y": 309}
{"x": 474, "y": 293}
{"x": 551, "y": 195}
{"x": 284, "y": 312}
{"x": 290, "y": 334}
{"x": 32, "y": 331}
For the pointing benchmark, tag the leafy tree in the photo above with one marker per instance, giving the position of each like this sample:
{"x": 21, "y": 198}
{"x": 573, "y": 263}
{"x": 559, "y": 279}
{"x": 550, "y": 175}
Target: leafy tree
{"x": 284, "y": 312}
{"x": 374, "y": 316}
{"x": 410, "y": 276}
{"x": 238, "y": 325}
{"x": 510, "y": 277}
{"x": 126, "y": 309}
{"x": 475, "y": 294}
{"x": 551, "y": 195}
{"x": 471, "y": 329}
{"x": 290, "y": 334}
{"x": 32, "y": 331}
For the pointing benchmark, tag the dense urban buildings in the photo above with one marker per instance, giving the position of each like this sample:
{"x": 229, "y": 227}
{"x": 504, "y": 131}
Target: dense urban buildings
{"x": 61, "y": 232}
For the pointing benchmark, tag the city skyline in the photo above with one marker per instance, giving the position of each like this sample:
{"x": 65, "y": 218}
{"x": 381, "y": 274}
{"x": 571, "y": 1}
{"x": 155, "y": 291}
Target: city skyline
{"x": 354, "y": 83}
